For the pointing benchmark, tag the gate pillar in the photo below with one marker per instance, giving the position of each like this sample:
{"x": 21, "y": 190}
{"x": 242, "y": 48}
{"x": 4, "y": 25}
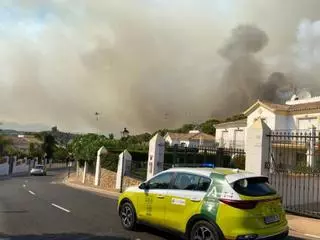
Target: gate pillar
{"x": 156, "y": 155}
{"x": 257, "y": 147}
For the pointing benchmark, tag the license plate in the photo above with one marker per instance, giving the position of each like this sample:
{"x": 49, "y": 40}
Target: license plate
{"x": 271, "y": 219}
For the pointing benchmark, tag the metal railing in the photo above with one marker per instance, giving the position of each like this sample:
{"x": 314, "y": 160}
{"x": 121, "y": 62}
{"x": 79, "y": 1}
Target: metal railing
{"x": 293, "y": 168}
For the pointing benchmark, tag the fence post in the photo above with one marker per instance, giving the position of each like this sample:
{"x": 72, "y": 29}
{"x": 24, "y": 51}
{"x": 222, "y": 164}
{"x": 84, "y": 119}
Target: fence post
{"x": 156, "y": 155}
{"x": 85, "y": 168}
{"x": 312, "y": 146}
{"x": 124, "y": 166}
{"x": 101, "y": 151}
{"x": 257, "y": 146}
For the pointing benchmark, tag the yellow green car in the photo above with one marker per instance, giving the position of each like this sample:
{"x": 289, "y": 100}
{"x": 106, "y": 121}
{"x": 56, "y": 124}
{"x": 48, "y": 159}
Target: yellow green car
{"x": 206, "y": 204}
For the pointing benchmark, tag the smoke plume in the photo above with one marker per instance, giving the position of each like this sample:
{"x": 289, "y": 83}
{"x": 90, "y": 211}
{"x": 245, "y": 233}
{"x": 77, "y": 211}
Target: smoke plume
{"x": 143, "y": 65}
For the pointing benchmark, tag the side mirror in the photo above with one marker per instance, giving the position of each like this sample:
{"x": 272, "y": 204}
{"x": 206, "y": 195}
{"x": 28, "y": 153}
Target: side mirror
{"x": 144, "y": 185}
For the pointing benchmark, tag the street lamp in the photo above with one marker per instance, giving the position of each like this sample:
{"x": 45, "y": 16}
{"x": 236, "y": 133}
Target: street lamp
{"x": 124, "y": 135}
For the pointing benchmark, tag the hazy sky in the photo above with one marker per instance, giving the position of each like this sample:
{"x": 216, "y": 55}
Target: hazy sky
{"x": 137, "y": 61}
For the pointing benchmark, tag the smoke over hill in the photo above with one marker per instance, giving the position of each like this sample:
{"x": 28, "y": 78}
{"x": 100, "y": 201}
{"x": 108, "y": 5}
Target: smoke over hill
{"x": 141, "y": 65}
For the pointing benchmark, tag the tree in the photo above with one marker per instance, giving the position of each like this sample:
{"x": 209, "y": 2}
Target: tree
{"x": 4, "y": 144}
{"x": 60, "y": 153}
{"x": 236, "y": 117}
{"x": 48, "y": 145}
{"x": 35, "y": 150}
{"x": 208, "y": 126}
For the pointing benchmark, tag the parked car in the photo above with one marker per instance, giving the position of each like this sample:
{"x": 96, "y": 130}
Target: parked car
{"x": 206, "y": 203}
{"x": 38, "y": 170}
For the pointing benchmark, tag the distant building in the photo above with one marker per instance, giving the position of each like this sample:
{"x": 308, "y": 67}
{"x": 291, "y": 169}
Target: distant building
{"x": 194, "y": 138}
{"x": 231, "y": 134}
{"x": 22, "y": 142}
{"x": 297, "y": 117}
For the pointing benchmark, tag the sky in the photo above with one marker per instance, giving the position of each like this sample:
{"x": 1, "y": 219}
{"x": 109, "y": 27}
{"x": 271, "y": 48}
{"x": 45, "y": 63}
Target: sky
{"x": 145, "y": 64}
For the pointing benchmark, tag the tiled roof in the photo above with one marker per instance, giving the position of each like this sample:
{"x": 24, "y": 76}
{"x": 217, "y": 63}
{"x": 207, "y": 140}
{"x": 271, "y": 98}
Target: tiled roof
{"x": 203, "y": 136}
{"x": 305, "y": 106}
{"x": 238, "y": 123}
{"x": 285, "y": 107}
{"x": 275, "y": 106}
{"x": 191, "y": 136}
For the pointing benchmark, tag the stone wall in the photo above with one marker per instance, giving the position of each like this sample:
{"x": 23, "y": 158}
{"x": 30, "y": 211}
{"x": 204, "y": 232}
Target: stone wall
{"x": 107, "y": 180}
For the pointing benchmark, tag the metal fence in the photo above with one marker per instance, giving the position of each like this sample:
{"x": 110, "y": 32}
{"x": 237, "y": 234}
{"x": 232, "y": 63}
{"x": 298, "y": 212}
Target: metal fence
{"x": 204, "y": 156}
{"x": 293, "y": 168}
{"x": 138, "y": 170}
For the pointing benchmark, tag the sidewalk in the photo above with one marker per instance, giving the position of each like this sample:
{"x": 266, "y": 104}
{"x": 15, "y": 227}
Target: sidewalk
{"x": 302, "y": 227}
{"x": 108, "y": 193}
{"x": 309, "y": 228}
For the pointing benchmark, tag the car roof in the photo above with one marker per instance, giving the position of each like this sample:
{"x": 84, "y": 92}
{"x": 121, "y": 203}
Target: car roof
{"x": 231, "y": 174}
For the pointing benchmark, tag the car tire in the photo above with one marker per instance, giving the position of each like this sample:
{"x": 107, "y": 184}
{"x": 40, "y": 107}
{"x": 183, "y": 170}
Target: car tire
{"x": 128, "y": 216}
{"x": 203, "y": 230}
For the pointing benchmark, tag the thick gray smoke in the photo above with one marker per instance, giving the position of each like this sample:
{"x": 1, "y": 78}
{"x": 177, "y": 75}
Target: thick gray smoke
{"x": 144, "y": 64}
{"x": 243, "y": 79}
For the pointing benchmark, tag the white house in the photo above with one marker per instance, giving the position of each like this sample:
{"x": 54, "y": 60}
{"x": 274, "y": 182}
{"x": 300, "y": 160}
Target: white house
{"x": 194, "y": 138}
{"x": 297, "y": 116}
{"x": 231, "y": 134}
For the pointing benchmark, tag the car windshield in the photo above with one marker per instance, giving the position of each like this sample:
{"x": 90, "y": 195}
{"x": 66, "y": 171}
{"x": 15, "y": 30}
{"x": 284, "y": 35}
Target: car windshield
{"x": 253, "y": 187}
{"x": 39, "y": 167}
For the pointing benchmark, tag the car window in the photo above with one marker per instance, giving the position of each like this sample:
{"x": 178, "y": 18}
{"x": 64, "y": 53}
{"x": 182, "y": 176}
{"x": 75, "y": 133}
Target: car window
{"x": 253, "y": 187}
{"x": 185, "y": 181}
{"x": 204, "y": 184}
{"x": 39, "y": 167}
{"x": 161, "y": 181}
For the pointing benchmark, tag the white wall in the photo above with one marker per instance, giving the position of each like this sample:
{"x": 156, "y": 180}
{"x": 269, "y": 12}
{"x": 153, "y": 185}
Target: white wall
{"x": 282, "y": 122}
{"x": 303, "y": 116}
{"x": 270, "y": 117}
{"x": 230, "y": 135}
{"x": 20, "y": 168}
{"x": 4, "y": 169}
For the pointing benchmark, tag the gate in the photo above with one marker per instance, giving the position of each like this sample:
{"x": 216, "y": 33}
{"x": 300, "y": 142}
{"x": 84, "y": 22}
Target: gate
{"x": 293, "y": 168}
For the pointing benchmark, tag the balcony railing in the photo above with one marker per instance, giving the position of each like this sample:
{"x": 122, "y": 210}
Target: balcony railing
{"x": 232, "y": 144}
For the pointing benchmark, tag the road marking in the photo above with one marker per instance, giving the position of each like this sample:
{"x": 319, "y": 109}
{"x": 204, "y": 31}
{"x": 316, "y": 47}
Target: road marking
{"x": 23, "y": 185}
{"x": 61, "y": 208}
{"x": 53, "y": 182}
{"x": 31, "y": 192}
{"x": 313, "y": 236}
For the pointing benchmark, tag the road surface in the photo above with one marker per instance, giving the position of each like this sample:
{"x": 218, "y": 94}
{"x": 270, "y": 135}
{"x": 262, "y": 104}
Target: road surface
{"x": 42, "y": 208}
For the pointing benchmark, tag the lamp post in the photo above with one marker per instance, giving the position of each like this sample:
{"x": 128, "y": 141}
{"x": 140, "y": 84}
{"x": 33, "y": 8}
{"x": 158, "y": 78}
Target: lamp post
{"x": 124, "y": 136}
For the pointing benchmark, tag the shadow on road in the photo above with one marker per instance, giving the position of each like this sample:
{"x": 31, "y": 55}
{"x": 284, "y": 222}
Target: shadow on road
{"x": 83, "y": 236}
{"x": 61, "y": 236}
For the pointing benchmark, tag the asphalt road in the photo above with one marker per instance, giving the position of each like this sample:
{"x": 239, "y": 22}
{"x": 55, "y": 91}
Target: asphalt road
{"x": 42, "y": 208}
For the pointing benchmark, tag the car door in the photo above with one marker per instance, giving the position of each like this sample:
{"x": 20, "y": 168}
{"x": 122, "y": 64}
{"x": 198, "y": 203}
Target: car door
{"x": 185, "y": 199}
{"x": 152, "y": 202}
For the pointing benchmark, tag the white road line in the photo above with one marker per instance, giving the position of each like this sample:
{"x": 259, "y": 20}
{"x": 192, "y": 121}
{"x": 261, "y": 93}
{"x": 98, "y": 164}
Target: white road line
{"x": 61, "y": 208}
{"x": 31, "y": 192}
{"x": 23, "y": 185}
{"x": 313, "y": 236}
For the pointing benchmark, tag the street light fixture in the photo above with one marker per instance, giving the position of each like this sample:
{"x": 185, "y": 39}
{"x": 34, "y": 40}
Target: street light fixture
{"x": 124, "y": 135}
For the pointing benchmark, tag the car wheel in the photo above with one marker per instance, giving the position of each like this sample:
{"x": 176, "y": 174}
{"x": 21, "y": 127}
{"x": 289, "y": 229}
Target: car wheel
{"x": 203, "y": 230}
{"x": 128, "y": 216}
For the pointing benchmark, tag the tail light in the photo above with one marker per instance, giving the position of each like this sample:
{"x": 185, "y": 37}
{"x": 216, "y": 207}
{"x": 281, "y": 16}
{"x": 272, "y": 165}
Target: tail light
{"x": 241, "y": 204}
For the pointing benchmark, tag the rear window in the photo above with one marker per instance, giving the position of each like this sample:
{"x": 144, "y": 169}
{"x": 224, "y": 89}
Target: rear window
{"x": 39, "y": 167}
{"x": 254, "y": 187}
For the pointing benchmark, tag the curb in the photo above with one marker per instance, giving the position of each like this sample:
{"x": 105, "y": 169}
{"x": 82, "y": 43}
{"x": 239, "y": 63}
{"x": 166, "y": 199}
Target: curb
{"x": 113, "y": 195}
{"x": 295, "y": 233}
